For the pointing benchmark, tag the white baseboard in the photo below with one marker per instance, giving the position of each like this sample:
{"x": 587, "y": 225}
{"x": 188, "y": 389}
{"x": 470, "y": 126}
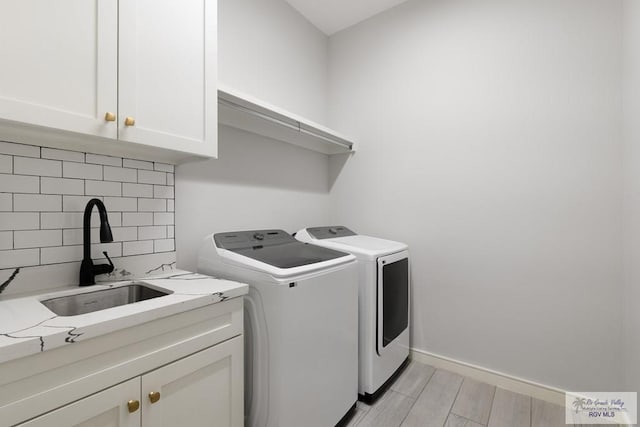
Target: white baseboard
{"x": 478, "y": 373}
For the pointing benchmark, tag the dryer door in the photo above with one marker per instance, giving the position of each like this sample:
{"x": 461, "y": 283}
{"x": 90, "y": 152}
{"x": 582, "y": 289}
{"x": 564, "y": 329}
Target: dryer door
{"x": 393, "y": 298}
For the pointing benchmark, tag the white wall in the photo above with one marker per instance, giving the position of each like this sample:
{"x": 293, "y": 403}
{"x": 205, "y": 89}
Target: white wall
{"x": 631, "y": 68}
{"x": 490, "y": 142}
{"x": 268, "y": 50}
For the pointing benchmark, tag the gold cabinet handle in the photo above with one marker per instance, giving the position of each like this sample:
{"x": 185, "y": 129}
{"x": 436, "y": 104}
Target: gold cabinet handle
{"x": 109, "y": 117}
{"x": 154, "y": 396}
{"x": 133, "y": 406}
{"x": 129, "y": 121}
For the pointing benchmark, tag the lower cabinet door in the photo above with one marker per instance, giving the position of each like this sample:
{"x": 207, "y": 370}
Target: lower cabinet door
{"x": 108, "y": 408}
{"x": 204, "y": 389}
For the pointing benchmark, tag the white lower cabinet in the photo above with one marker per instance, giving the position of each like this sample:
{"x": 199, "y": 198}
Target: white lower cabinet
{"x": 204, "y": 389}
{"x": 107, "y": 408}
{"x": 184, "y": 370}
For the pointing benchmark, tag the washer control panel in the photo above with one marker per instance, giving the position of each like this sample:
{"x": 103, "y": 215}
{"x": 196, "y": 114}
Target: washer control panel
{"x": 330, "y": 232}
{"x": 250, "y": 239}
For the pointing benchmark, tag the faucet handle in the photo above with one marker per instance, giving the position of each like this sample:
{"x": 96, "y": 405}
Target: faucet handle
{"x": 109, "y": 259}
{"x": 104, "y": 268}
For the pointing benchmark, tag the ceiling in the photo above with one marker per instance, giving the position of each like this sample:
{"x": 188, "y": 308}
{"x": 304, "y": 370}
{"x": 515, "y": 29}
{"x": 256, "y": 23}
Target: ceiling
{"x": 331, "y": 16}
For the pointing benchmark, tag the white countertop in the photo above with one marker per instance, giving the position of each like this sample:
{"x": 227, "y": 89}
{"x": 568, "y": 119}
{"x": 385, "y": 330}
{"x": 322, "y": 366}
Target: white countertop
{"x": 27, "y": 327}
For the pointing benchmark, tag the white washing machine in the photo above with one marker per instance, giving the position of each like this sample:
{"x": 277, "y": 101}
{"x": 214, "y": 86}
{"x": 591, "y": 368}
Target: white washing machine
{"x": 301, "y": 325}
{"x": 383, "y": 276}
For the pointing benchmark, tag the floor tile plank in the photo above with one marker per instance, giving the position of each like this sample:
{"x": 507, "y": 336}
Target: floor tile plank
{"x": 457, "y": 421}
{"x": 360, "y": 413}
{"x": 388, "y": 411}
{"x": 545, "y": 414}
{"x": 412, "y": 381}
{"x": 510, "y": 410}
{"x": 474, "y": 401}
{"x": 434, "y": 403}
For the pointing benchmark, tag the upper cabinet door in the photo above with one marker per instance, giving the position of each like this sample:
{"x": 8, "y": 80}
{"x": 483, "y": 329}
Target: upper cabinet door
{"x": 167, "y": 74}
{"x": 59, "y": 64}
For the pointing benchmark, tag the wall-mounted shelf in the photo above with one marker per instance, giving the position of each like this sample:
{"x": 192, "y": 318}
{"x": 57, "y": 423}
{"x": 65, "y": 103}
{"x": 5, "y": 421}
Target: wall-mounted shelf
{"x": 253, "y": 115}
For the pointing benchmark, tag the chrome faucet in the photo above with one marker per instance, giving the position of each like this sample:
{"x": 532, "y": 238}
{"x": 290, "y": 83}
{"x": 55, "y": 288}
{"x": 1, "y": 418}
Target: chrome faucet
{"x": 88, "y": 271}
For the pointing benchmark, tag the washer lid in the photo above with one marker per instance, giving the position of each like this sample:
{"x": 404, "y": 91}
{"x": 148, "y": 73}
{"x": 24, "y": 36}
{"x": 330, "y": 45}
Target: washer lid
{"x": 275, "y": 247}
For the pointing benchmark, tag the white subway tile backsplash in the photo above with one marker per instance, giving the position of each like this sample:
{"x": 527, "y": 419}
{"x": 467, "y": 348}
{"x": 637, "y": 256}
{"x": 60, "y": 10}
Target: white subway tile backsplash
{"x": 37, "y": 238}
{"x": 44, "y": 192}
{"x": 60, "y": 254}
{"x": 163, "y": 218}
{"x": 152, "y": 232}
{"x": 137, "y": 218}
{"x": 137, "y": 248}
{"x": 113, "y": 250}
{"x": 19, "y": 183}
{"x": 60, "y": 186}
{"x": 81, "y": 170}
{"x": 137, "y": 190}
{"x": 19, "y": 220}
{"x": 152, "y": 205}
{"x": 77, "y": 203}
{"x": 6, "y": 164}
{"x": 19, "y": 149}
{"x": 124, "y": 234}
{"x": 75, "y": 236}
{"x": 137, "y": 164}
{"x": 121, "y": 204}
{"x": 103, "y": 160}
{"x": 162, "y": 192}
{"x": 6, "y": 240}
{"x": 152, "y": 177}
{"x": 103, "y": 188}
{"x": 6, "y": 202}
{"x": 37, "y": 202}
{"x": 163, "y": 167}
{"x": 55, "y": 154}
{"x": 164, "y": 245}
{"x": 40, "y": 167}
{"x": 19, "y": 258}
{"x": 51, "y": 220}
{"x": 120, "y": 174}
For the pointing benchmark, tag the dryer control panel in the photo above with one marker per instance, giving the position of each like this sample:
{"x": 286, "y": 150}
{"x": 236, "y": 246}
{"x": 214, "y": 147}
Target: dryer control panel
{"x": 330, "y": 232}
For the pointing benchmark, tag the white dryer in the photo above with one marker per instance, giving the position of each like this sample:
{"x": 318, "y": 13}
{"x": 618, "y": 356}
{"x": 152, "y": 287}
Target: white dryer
{"x": 383, "y": 276}
{"x": 301, "y": 325}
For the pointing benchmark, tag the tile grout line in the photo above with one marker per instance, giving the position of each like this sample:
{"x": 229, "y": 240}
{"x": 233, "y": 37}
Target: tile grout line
{"x": 454, "y": 399}
{"x": 493, "y": 398}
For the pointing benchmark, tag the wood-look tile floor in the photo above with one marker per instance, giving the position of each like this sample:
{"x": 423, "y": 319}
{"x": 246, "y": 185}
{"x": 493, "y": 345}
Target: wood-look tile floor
{"x": 427, "y": 397}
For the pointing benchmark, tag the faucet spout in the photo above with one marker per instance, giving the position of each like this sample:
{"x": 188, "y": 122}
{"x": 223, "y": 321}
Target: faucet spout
{"x": 88, "y": 270}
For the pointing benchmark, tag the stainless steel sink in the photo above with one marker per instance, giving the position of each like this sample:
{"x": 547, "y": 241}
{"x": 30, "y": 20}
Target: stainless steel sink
{"x": 88, "y": 302}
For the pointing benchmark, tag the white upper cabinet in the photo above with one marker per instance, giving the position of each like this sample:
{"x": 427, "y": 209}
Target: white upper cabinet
{"x": 59, "y": 64}
{"x": 167, "y": 81}
{"x": 141, "y": 73}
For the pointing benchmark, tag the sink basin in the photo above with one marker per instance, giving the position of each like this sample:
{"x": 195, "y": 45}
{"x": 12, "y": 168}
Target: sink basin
{"x": 88, "y": 302}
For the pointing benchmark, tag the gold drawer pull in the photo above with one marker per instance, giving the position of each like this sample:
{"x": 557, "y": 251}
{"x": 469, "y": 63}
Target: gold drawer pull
{"x": 133, "y": 406}
{"x": 129, "y": 121}
{"x": 109, "y": 117}
{"x": 154, "y": 396}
